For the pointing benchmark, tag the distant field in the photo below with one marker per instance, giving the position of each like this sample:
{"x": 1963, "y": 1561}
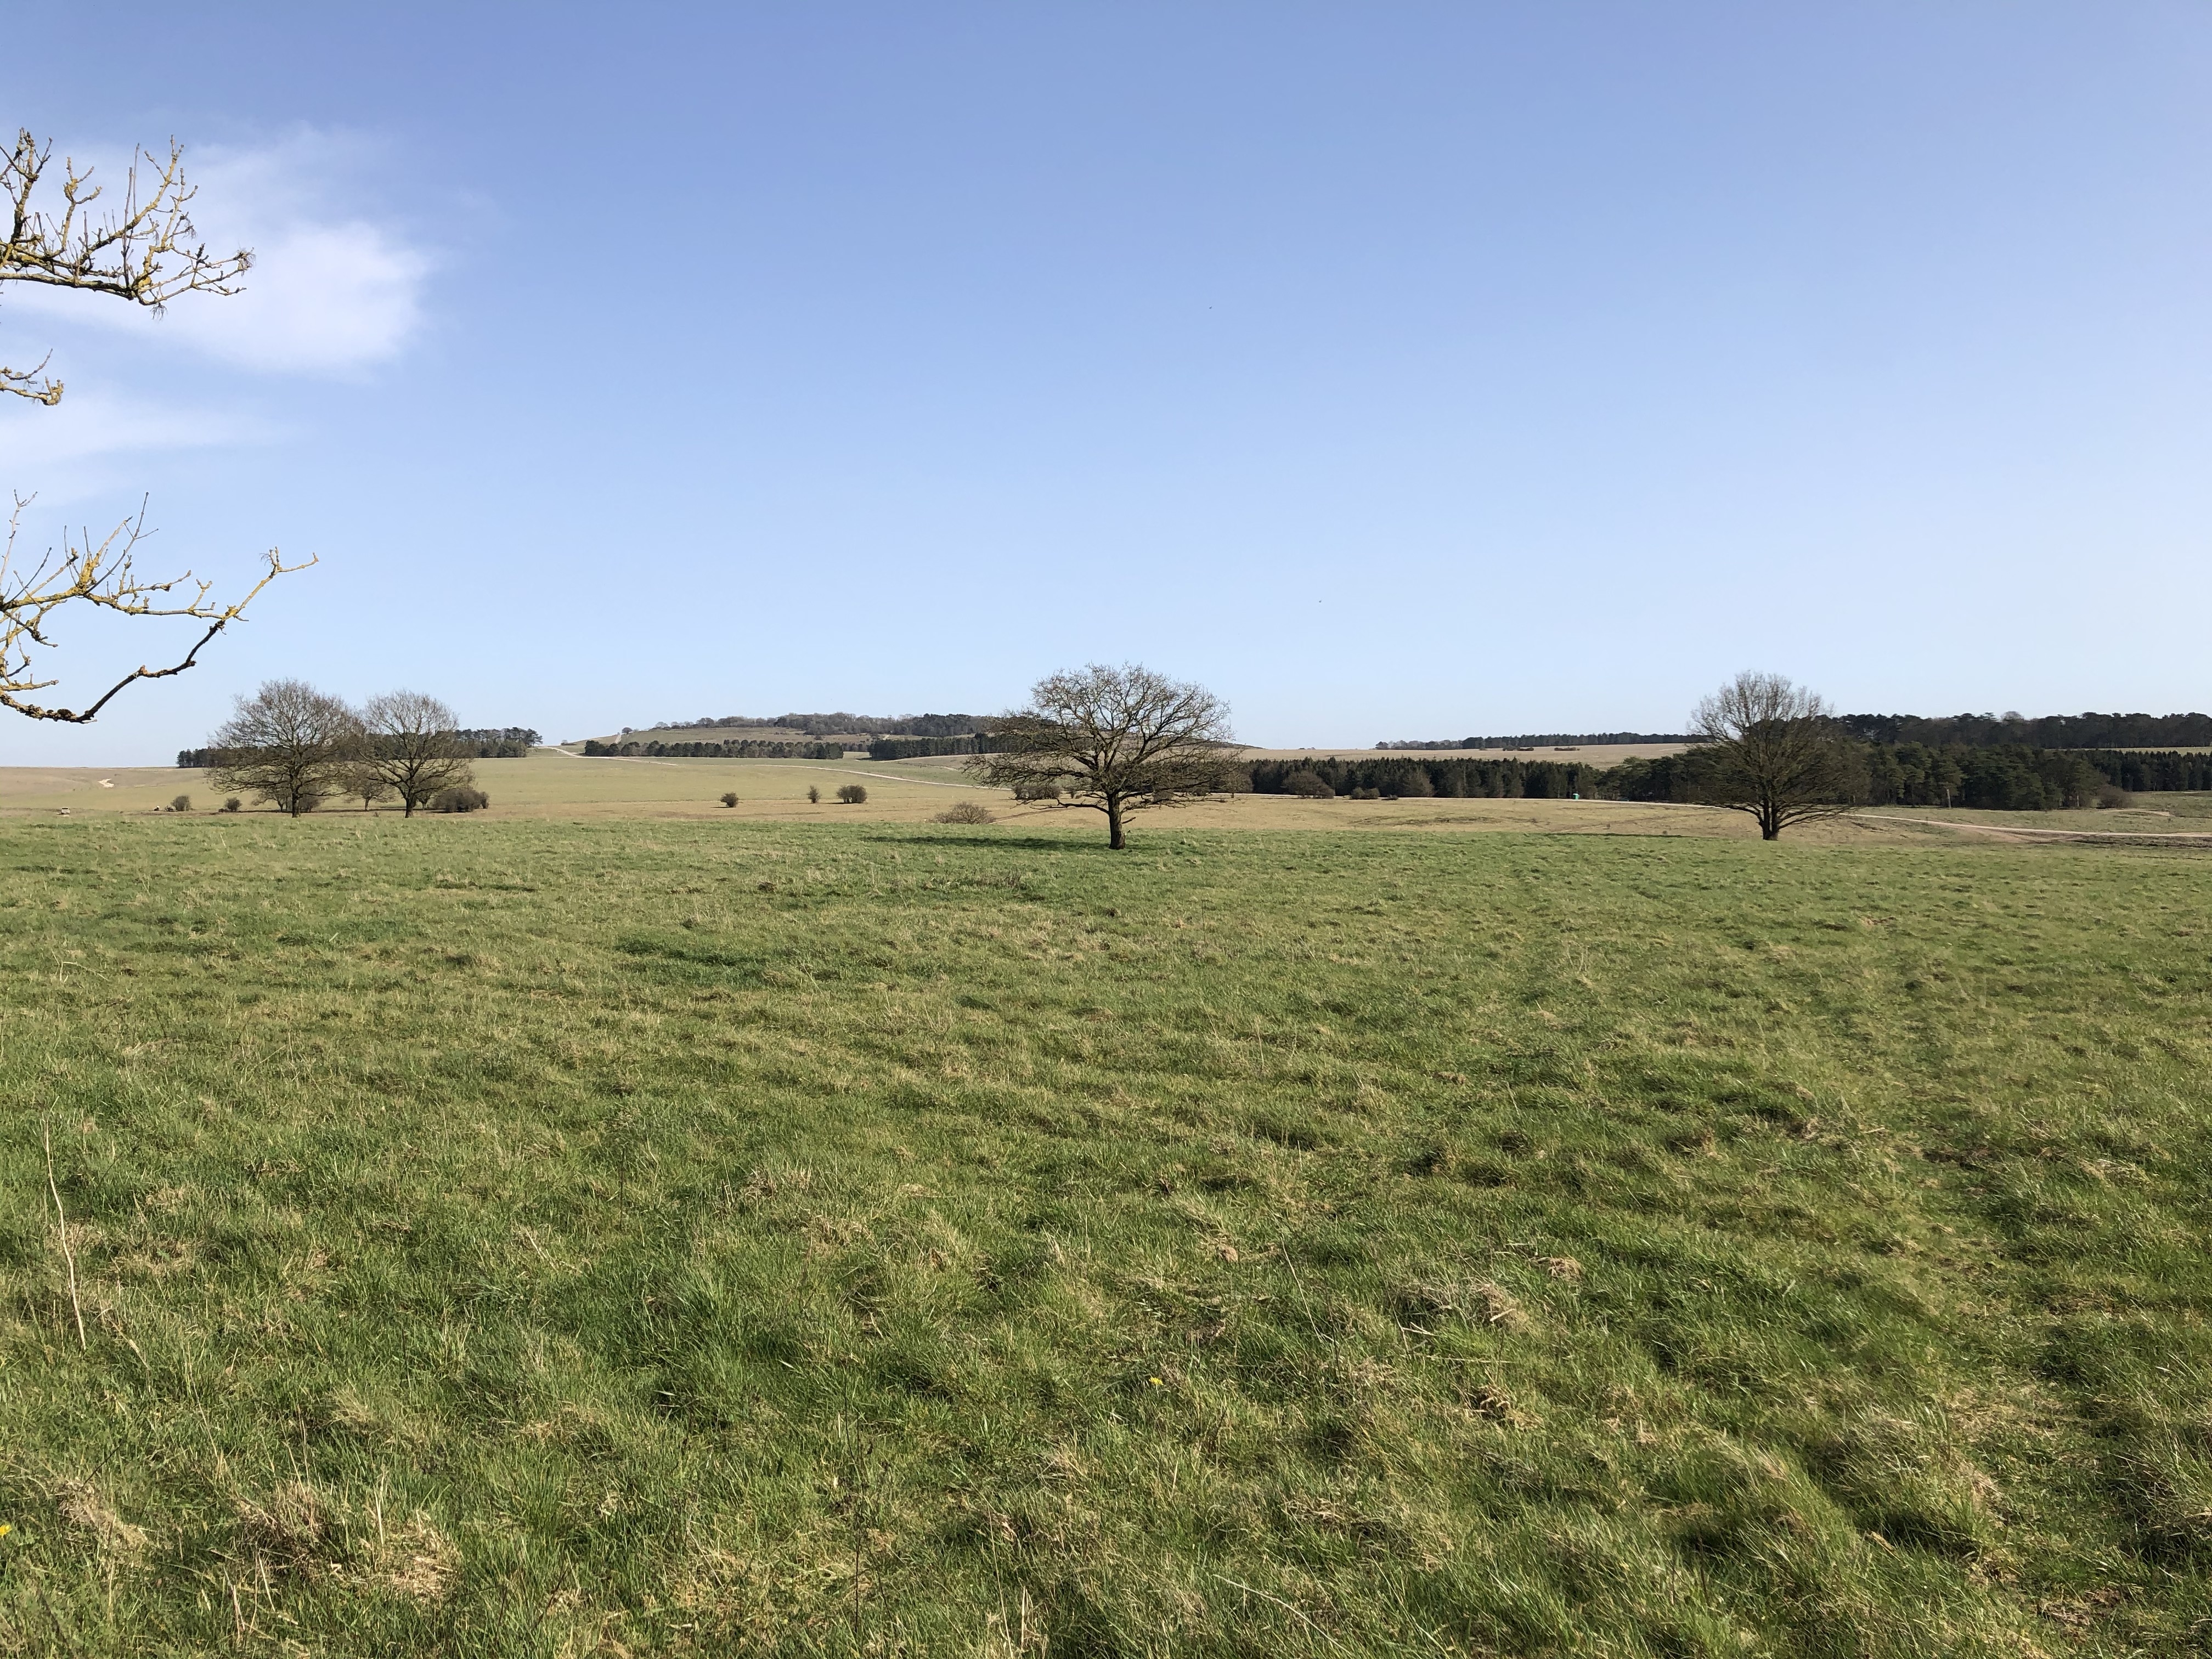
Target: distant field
{"x": 548, "y": 785}
{"x": 543, "y": 1235}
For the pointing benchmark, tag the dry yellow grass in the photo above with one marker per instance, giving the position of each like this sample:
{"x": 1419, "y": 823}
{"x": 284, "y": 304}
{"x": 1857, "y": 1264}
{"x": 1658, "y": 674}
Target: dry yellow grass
{"x": 553, "y": 784}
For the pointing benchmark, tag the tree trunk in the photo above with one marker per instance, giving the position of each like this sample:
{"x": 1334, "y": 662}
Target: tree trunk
{"x": 410, "y": 800}
{"x": 1114, "y": 823}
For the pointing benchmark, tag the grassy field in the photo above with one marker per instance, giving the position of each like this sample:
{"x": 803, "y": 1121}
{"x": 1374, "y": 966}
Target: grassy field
{"x": 570, "y": 789}
{"x": 553, "y": 1235}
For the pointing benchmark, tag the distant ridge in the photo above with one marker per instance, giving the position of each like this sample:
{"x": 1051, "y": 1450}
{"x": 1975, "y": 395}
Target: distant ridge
{"x": 822, "y": 726}
{"x": 2089, "y": 730}
{"x": 1542, "y": 740}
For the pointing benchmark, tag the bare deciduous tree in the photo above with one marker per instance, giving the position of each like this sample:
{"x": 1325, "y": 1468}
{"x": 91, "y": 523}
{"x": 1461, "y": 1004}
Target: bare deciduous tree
{"x": 411, "y": 747}
{"x": 144, "y": 253}
{"x": 1112, "y": 740}
{"x": 289, "y": 744}
{"x": 1770, "y": 749}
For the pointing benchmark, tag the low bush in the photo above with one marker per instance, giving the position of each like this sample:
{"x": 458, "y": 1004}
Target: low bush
{"x": 730, "y": 799}
{"x": 1045, "y": 791}
{"x": 966, "y": 811}
{"x": 1307, "y": 783}
{"x": 459, "y": 799}
{"x": 2113, "y": 795}
{"x": 182, "y": 804}
{"x": 232, "y": 804}
{"x": 1364, "y": 795}
{"x": 851, "y": 794}
{"x": 813, "y": 794}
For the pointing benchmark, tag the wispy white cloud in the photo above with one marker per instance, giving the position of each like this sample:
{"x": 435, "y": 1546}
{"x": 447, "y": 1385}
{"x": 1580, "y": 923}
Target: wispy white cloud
{"x": 61, "y": 452}
{"x": 332, "y": 290}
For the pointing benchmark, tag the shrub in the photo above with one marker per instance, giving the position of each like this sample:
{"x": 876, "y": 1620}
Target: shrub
{"x": 731, "y": 799}
{"x": 2113, "y": 795}
{"x": 1364, "y": 795}
{"x": 966, "y": 811}
{"x": 182, "y": 804}
{"x": 1307, "y": 783}
{"x": 459, "y": 799}
{"x": 851, "y": 794}
{"x": 813, "y": 793}
{"x": 231, "y": 804}
{"x": 1037, "y": 791}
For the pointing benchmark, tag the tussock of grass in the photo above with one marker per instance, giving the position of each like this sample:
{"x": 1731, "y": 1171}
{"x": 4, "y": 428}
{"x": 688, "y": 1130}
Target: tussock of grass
{"x": 523, "y": 1238}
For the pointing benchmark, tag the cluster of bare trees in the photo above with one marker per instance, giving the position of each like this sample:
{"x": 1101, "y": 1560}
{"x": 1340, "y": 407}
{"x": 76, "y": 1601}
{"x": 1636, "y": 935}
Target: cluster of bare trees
{"x": 296, "y": 747}
{"x": 142, "y": 252}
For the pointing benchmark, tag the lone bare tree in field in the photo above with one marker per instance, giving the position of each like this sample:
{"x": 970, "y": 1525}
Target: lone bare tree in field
{"x": 1769, "y": 748}
{"x": 144, "y": 253}
{"x": 410, "y": 746}
{"x": 289, "y": 744}
{"x": 1113, "y": 740}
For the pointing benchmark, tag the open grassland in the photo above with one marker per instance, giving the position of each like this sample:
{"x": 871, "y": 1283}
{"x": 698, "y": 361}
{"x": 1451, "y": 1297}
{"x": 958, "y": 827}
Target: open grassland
{"x": 549, "y": 783}
{"x": 2175, "y": 814}
{"x": 557, "y": 784}
{"x": 534, "y": 1237}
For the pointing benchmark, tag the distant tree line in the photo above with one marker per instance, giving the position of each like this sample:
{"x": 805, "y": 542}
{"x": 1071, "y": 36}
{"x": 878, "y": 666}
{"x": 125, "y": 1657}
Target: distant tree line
{"x": 498, "y": 741}
{"x": 894, "y": 748}
{"x": 1542, "y": 740}
{"x": 473, "y": 743}
{"x": 912, "y": 726}
{"x": 1457, "y": 779}
{"x": 2012, "y": 778}
{"x": 2015, "y": 778}
{"x": 2090, "y": 731}
{"x": 736, "y": 749}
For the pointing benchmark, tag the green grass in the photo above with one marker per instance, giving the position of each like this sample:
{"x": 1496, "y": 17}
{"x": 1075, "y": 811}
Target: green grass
{"x": 526, "y": 1238}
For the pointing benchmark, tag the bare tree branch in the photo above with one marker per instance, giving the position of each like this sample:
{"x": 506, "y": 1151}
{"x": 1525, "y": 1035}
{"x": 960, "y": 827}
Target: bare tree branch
{"x": 102, "y": 576}
{"x": 146, "y": 253}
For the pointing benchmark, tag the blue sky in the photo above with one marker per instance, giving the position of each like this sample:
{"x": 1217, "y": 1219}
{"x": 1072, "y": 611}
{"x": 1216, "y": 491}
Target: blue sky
{"x": 1395, "y": 372}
